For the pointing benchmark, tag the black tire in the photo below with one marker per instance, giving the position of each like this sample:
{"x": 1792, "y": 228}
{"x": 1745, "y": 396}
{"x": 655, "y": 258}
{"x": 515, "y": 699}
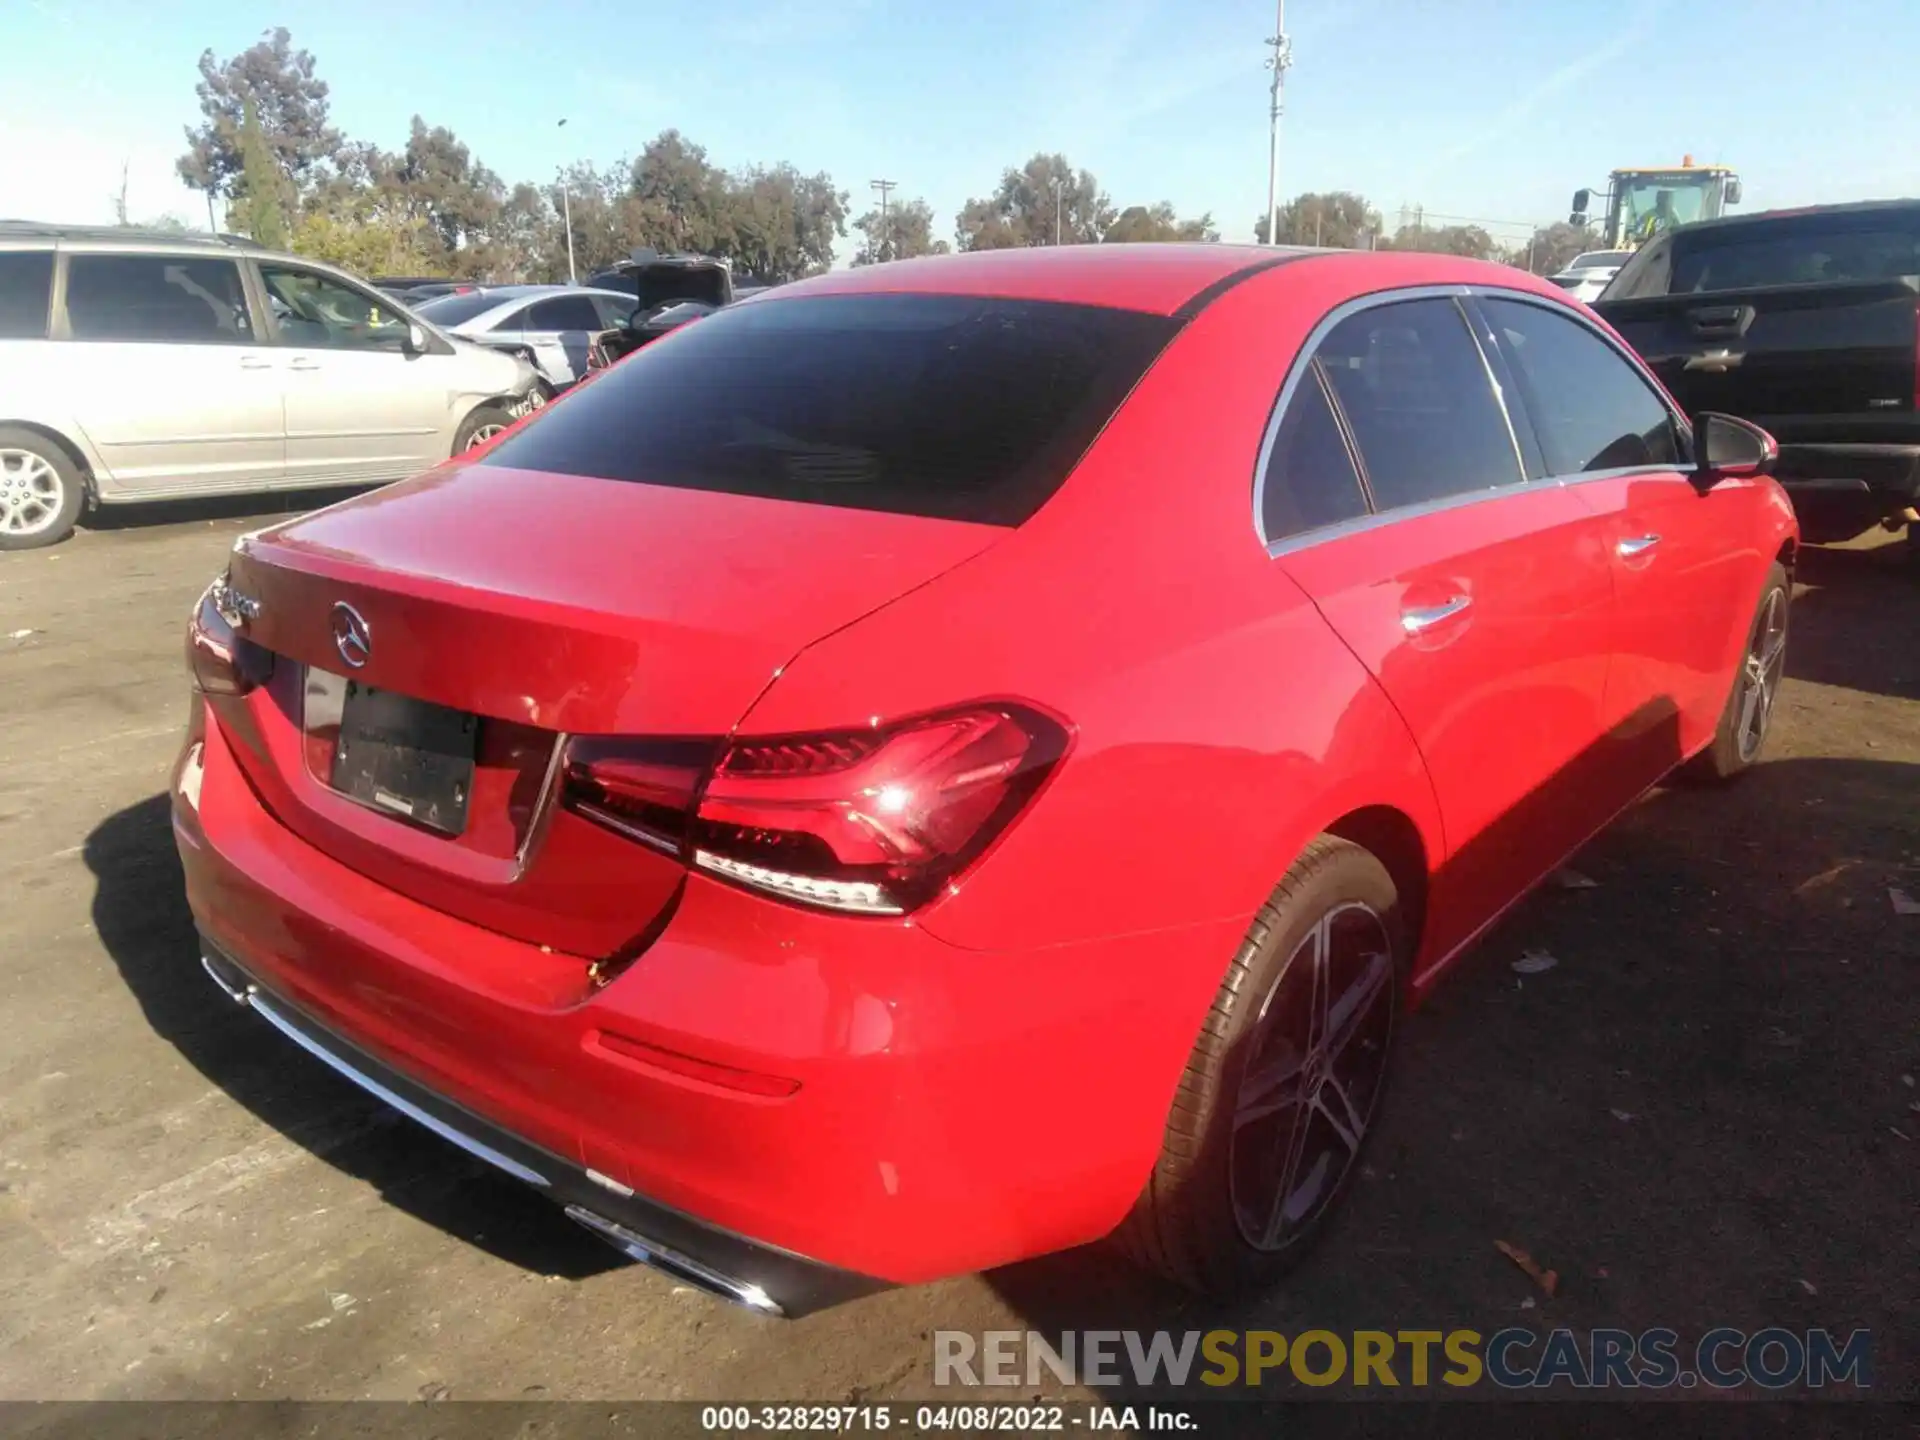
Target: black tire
{"x": 479, "y": 426}
{"x": 1913, "y": 549}
{"x": 1191, "y": 1221}
{"x": 39, "y": 484}
{"x": 1734, "y": 749}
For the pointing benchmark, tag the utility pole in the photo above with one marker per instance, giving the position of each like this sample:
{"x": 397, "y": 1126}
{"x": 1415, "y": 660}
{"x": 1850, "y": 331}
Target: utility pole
{"x": 566, "y": 207}
{"x": 885, "y": 187}
{"x": 1058, "y": 185}
{"x": 1279, "y": 63}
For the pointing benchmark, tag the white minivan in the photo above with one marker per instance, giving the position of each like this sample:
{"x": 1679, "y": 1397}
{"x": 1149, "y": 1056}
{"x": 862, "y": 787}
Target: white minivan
{"x": 146, "y": 366}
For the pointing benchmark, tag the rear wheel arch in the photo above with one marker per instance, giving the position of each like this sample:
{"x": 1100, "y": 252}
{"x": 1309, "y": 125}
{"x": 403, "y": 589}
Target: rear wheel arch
{"x": 69, "y": 446}
{"x": 1392, "y": 837}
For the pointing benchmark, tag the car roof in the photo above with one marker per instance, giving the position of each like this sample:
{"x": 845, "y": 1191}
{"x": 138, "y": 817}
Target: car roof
{"x": 1175, "y": 279}
{"x": 124, "y": 237}
{"x": 508, "y": 297}
{"x": 1761, "y": 217}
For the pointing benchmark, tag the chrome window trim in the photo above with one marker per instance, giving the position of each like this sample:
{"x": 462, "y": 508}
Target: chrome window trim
{"x": 1468, "y": 315}
{"x": 1305, "y": 539}
{"x": 1302, "y": 365}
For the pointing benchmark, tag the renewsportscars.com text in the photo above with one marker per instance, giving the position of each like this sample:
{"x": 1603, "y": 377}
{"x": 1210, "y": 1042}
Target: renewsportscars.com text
{"x": 1515, "y": 1358}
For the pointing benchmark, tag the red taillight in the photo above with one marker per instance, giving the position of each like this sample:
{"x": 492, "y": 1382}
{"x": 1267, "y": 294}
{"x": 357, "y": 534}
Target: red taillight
{"x": 868, "y": 821}
{"x": 644, "y": 789}
{"x": 223, "y": 661}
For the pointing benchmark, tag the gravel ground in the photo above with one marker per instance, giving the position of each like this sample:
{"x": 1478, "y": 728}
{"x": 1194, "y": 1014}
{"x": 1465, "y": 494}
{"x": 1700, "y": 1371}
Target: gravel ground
{"x": 1704, "y": 1114}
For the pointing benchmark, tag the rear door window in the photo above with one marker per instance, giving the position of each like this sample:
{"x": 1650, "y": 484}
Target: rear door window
{"x": 1309, "y": 481}
{"x": 1810, "y": 251}
{"x": 159, "y": 299}
{"x": 1590, "y": 408}
{"x": 960, "y": 407}
{"x": 26, "y": 282}
{"x": 1415, "y": 390}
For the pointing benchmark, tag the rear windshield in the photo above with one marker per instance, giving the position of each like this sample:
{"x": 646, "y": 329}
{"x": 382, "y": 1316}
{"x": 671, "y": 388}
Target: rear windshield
{"x": 458, "y": 309}
{"x": 950, "y": 406}
{"x": 1805, "y": 252}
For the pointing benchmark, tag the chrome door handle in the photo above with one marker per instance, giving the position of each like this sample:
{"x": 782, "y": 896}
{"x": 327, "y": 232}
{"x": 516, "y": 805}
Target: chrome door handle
{"x": 1635, "y": 545}
{"x": 1425, "y": 617}
{"x": 303, "y": 363}
{"x": 255, "y": 362}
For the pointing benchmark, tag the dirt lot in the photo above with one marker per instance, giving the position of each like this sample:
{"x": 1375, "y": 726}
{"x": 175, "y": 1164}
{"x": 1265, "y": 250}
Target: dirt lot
{"x": 1705, "y": 1114}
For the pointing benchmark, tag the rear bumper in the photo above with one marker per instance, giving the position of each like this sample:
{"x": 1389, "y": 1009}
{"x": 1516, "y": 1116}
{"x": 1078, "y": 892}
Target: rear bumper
{"x": 761, "y": 1277}
{"x": 904, "y": 1110}
{"x": 1840, "y": 490}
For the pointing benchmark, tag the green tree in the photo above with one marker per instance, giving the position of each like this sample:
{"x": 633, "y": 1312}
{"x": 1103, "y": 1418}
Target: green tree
{"x": 1157, "y": 222}
{"x": 1467, "y": 240}
{"x": 904, "y": 232}
{"x": 683, "y": 196}
{"x": 290, "y": 107}
{"x": 1553, "y": 248}
{"x": 259, "y": 206}
{"x": 1337, "y": 218}
{"x": 451, "y": 191}
{"x": 1044, "y": 198}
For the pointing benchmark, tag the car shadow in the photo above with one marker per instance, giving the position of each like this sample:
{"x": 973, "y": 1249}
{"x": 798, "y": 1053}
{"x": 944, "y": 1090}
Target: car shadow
{"x": 269, "y": 504}
{"x": 1698, "y": 1116}
{"x": 1856, "y": 619}
{"x": 140, "y": 912}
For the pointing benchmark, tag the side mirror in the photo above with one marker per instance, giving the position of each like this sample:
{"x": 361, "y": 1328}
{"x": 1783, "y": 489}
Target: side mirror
{"x": 1733, "y": 190}
{"x": 1582, "y": 200}
{"x": 1730, "y": 448}
{"x": 416, "y": 338}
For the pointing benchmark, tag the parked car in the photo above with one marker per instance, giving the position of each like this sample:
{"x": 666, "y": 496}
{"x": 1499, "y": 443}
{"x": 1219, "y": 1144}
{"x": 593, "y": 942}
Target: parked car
{"x": 1803, "y": 321}
{"x": 668, "y": 291}
{"x": 1587, "y": 275}
{"x": 435, "y": 290}
{"x": 954, "y": 760}
{"x": 147, "y": 366}
{"x": 654, "y": 279}
{"x": 555, "y": 323}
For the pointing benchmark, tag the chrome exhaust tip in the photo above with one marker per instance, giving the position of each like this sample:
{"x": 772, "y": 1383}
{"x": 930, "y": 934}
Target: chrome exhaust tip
{"x": 672, "y": 1262}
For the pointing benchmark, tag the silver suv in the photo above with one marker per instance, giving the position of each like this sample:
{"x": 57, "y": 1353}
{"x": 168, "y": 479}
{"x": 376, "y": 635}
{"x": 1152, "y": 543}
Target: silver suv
{"x": 146, "y": 366}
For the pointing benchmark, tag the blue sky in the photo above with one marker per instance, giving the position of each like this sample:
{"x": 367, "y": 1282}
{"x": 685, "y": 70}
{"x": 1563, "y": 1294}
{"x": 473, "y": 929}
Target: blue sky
{"x": 1484, "y": 108}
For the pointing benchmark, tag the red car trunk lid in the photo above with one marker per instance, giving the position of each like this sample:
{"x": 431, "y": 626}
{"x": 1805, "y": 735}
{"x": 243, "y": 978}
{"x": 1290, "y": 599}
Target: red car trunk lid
{"x": 549, "y": 605}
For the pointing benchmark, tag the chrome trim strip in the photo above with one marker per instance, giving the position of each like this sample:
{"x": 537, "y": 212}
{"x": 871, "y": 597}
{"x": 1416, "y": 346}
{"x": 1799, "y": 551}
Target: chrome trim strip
{"x": 1310, "y": 347}
{"x": 603, "y": 816}
{"x": 1481, "y": 347}
{"x": 674, "y": 1262}
{"x": 544, "y": 805}
{"x": 479, "y": 1150}
{"x": 1306, "y": 539}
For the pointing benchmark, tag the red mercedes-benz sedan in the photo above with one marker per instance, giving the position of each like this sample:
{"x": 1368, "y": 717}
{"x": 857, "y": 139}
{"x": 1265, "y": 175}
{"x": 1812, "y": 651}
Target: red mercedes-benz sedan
{"x": 952, "y": 760}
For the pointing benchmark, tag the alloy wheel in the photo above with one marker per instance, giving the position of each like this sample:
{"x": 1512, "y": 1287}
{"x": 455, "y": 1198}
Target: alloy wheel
{"x": 483, "y": 433}
{"x": 1316, "y": 1063}
{"x": 31, "y": 493}
{"x": 1760, "y": 674}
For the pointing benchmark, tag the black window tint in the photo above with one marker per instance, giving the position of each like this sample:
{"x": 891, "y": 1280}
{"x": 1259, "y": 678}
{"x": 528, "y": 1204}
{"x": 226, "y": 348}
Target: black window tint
{"x": 1310, "y": 480}
{"x": 171, "y": 299}
{"x": 1798, "y": 252}
{"x": 944, "y": 405}
{"x": 26, "y": 280}
{"x": 614, "y": 310}
{"x": 1589, "y": 406}
{"x": 567, "y": 312}
{"x": 451, "y": 310}
{"x": 1417, "y": 397}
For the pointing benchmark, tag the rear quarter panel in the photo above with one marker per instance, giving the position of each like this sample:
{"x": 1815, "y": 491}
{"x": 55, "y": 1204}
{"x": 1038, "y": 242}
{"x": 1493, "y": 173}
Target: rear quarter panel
{"x": 1218, "y": 724}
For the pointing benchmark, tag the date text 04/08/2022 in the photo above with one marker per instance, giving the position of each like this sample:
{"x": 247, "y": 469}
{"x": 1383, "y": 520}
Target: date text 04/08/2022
{"x": 921, "y": 1419}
